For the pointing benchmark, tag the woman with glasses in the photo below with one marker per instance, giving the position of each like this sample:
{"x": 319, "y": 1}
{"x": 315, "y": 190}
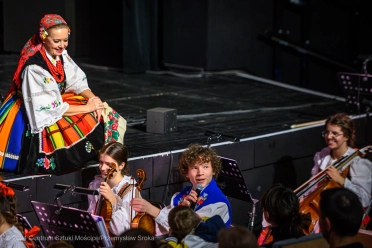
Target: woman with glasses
{"x": 339, "y": 135}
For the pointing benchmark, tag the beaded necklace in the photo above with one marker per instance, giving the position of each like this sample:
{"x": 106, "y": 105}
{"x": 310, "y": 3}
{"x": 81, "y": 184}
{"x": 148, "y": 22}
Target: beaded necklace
{"x": 56, "y": 71}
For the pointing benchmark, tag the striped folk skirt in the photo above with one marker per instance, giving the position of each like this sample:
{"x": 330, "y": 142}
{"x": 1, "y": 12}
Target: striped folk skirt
{"x": 62, "y": 147}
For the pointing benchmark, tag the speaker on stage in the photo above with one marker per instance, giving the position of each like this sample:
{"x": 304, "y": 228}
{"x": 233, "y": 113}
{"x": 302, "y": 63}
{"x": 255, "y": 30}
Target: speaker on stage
{"x": 161, "y": 120}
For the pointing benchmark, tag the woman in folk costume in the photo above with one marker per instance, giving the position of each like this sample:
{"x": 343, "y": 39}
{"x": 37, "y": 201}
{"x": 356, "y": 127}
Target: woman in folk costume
{"x": 50, "y": 121}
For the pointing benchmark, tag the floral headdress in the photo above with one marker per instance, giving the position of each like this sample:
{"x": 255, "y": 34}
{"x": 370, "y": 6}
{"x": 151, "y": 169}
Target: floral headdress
{"x": 34, "y": 44}
{"x": 48, "y": 21}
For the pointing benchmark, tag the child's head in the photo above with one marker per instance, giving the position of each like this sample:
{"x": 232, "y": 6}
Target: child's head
{"x": 340, "y": 213}
{"x": 196, "y": 153}
{"x": 8, "y": 207}
{"x": 236, "y": 237}
{"x": 182, "y": 220}
{"x": 136, "y": 238}
{"x": 118, "y": 152}
{"x": 282, "y": 209}
{"x": 60, "y": 244}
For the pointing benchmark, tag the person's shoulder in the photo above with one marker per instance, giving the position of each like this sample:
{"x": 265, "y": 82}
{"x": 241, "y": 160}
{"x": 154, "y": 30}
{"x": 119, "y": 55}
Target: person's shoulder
{"x": 195, "y": 241}
{"x": 14, "y": 243}
{"x": 326, "y": 151}
{"x": 34, "y": 68}
{"x": 97, "y": 178}
{"x": 12, "y": 238}
{"x": 359, "y": 159}
{"x": 127, "y": 180}
{"x": 214, "y": 223}
{"x": 186, "y": 189}
{"x": 213, "y": 187}
{"x": 67, "y": 58}
{"x": 96, "y": 181}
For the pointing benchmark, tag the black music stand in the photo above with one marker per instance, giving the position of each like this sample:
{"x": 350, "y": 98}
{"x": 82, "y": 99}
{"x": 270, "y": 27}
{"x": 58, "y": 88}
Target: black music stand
{"x": 232, "y": 184}
{"x": 22, "y": 220}
{"x": 72, "y": 225}
{"x": 358, "y": 90}
{"x": 358, "y": 93}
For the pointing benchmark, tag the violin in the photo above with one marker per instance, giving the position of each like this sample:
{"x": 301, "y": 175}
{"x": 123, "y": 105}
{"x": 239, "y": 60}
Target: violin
{"x": 104, "y": 206}
{"x": 310, "y": 202}
{"x": 142, "y": 220}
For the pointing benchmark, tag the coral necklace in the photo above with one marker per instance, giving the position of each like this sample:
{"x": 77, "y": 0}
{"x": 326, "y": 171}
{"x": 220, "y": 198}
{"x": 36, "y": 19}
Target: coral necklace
{"x": 56, "y": 71}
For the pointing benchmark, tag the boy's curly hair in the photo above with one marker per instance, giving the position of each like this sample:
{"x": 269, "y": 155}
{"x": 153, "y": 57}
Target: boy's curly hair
{"x": 197, "y": 153}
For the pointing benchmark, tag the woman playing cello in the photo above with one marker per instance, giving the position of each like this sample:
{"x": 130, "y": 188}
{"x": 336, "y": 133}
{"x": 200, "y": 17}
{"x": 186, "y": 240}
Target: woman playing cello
{"x": 339, "y": 134}
{"x": 117, "y": 190}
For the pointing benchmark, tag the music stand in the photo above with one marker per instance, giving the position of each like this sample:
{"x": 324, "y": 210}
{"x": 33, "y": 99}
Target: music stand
{"x": 72, "y": 225}
{"x": 358, "y": 92}
{"x": 232, "y": 184}
{"x": 357, "y": 88}
{"x": 22, "y": 220}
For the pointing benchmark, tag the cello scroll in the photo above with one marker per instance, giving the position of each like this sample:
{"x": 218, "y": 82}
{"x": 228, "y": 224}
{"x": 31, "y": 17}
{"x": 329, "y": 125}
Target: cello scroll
{"x": 142, "y": 220}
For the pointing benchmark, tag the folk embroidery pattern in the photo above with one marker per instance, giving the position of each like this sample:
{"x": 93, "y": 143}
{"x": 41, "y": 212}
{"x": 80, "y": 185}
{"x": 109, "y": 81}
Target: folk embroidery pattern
{"x": 46, "y": 163}
{"x": 53, "y": 104}
{"x": 111, "y": 127}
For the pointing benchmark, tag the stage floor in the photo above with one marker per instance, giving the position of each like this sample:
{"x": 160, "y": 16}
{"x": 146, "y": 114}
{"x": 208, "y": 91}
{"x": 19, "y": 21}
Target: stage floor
{"x": 231, "y": 103}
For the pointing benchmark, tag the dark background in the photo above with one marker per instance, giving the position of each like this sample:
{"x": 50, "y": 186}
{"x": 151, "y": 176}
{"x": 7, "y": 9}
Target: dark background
{"x": 298, "y": 42}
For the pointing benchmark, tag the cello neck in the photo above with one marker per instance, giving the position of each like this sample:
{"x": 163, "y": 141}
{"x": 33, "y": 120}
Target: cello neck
{"x": 339, "y": 164}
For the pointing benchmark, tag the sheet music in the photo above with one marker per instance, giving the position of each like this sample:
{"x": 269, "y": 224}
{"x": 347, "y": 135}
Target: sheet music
{"x": 75, "y": 226}
{"x": 102, "y": 230}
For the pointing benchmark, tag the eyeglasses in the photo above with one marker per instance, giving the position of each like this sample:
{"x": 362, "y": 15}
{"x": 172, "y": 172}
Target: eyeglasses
{"x": 332, "y": 134}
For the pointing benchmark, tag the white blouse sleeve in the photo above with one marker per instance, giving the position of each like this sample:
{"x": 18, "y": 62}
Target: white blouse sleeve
{"x": 93, "y": 199}
{"x": 76, "y": 80}
{"x": 42, "y": 99}
{"x": 162, "y": 218}
{"x": 315, "y": 170}
{"x": 360, "y": 181}
{"x": 121, "y": 217}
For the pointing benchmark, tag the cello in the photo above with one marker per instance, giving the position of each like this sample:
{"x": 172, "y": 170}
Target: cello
{"x": 311, "y": 199}
{"x": 104, "y": 206}
{"x": 142, "y": 220}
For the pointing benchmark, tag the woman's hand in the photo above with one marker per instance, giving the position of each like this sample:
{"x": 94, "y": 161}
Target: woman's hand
{"x": 333, "y": 173}
{"x": 95, "y": 105}
{"x": 106, "y": 192}
{"x": 98, "y": 114}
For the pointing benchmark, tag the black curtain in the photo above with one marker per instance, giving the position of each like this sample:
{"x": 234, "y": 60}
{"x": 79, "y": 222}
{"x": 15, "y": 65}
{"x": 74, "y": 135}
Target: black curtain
{"x": 141, "y": 35}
